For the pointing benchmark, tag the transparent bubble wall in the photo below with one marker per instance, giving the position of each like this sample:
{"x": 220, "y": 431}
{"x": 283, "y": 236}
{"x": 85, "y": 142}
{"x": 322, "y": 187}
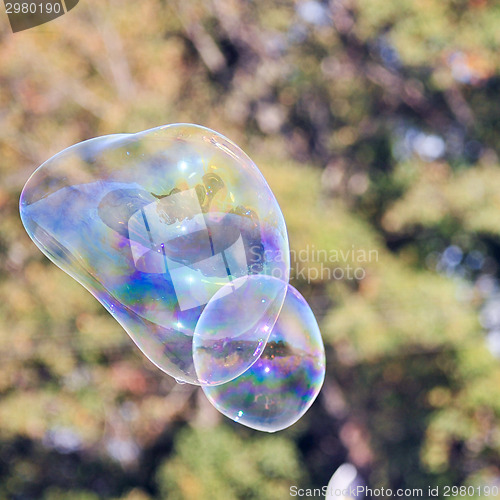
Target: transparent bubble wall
{"x": 153, "y": 224}
{"x": 244, "y": 311}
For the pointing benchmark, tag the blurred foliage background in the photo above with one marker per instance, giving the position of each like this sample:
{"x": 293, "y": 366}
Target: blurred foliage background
{"x": 377, "y": 124}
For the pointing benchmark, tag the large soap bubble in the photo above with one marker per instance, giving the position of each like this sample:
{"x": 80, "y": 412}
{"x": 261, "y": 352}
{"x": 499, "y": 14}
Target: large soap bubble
{"x": 284, "y": 382}
{"x": 153, "y": 225}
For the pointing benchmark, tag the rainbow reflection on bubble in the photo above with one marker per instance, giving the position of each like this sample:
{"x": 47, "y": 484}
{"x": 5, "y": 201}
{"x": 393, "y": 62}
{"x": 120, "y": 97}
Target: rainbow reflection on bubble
{"x": 232, "y": 330}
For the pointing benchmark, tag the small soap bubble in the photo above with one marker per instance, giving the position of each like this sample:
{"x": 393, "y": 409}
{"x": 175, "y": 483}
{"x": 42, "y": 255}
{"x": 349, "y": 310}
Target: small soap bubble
{"x": 234, "y": 327}
{"x": 154, "y": 224}
{"x": 284, "y": 382}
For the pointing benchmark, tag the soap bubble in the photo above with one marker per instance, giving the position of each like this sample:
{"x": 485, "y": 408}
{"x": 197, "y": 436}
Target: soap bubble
{"x": 284, "y": 382}
{"x": 153, "y": 224}
{"x": 234, "y": 327}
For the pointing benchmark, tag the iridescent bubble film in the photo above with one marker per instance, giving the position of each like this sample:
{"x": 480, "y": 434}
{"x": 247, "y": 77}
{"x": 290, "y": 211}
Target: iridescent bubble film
{"x": 284, "y": 382}
{"x": 234, "y": 327}
{"x": 154, "y": 224}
